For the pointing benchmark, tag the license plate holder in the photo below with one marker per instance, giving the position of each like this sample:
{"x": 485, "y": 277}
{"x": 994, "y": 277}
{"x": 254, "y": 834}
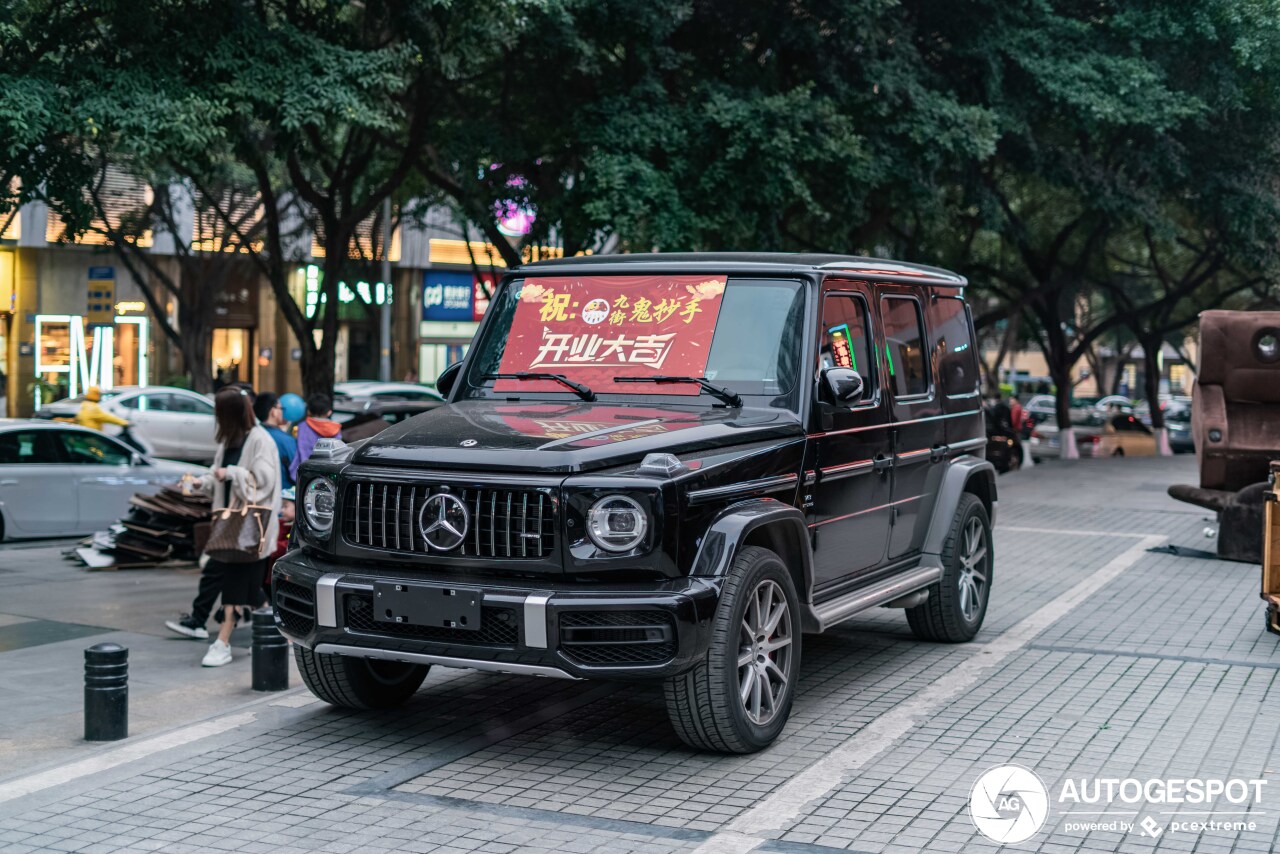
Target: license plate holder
{"x": 437, "y": 605}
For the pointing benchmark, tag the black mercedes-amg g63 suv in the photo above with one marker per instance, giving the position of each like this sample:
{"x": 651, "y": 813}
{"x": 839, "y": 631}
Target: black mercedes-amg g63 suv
{"x": 664, "y": 467}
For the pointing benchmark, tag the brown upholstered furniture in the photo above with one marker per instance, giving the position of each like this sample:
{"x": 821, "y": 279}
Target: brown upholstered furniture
{"x": 1235, "y": 415}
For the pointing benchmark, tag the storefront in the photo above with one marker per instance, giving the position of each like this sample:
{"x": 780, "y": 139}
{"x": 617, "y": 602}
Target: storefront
{"x": 235, "y": 313}
{"x": 452, "y": 305}
{"x": 356, "y": 350}
{"x": 73, "y": 352}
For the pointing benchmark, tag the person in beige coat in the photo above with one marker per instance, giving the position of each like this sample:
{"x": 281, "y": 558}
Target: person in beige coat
{"x": 246, "y": 470}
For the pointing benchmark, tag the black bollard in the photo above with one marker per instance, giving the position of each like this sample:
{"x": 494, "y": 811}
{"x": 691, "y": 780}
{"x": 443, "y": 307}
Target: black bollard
{"x": 106, "y": 692}
{"x": 270, "y": 653}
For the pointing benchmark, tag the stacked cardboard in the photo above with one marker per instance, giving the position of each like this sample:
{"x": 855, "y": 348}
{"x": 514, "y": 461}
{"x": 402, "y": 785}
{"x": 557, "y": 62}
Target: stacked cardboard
{"x": 162, "y": 528}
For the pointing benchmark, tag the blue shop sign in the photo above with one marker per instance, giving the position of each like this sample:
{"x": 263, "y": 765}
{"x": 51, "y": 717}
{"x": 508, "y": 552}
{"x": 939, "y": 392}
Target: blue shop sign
{"x": 448, "y": 296}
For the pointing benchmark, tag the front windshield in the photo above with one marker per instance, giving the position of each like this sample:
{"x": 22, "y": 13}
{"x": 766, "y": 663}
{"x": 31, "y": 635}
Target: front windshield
{"x": 743, "y": 335}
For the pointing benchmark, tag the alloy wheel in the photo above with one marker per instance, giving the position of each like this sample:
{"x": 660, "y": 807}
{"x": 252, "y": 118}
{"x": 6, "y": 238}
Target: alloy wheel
{"x": 764, "y": 652}
{"x": 973, "y": 569}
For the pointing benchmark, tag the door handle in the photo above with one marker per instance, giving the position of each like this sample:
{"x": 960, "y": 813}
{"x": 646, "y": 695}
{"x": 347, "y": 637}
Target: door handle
{"x": 881, "y": 463}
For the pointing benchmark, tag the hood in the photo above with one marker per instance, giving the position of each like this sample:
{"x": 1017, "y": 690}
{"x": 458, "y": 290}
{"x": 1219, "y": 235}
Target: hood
{"x": 323, "y": 428}
{"x": 565, "y": 437}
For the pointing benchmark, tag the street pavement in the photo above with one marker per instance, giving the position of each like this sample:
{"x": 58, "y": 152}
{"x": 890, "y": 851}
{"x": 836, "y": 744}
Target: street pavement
{"x": 1099, "y": 659}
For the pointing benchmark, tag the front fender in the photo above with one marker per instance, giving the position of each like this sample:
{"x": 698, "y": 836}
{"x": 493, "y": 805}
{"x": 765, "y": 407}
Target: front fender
{"x": 960, "y": 474}
{"x": 730, "y": 529}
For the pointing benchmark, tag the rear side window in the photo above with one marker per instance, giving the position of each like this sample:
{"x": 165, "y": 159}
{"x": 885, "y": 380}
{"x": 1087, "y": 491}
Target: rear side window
{"x": 846, "y": 338}
{"x": 904, "y": 346}
{"x": 957, "y": 363}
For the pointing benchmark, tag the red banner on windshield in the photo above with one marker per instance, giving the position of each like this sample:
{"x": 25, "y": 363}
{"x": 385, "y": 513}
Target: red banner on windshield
{"x": 594, "y": 329}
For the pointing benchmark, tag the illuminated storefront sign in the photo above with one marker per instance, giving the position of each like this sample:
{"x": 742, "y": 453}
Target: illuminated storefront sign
{"x": 67, "y": 353}
{"x": 372, "y": 294}
{"x": 453, "y": 296}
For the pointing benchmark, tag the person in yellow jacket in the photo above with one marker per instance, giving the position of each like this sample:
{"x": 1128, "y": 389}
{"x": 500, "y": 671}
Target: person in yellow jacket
{"x": 92, "y": 415}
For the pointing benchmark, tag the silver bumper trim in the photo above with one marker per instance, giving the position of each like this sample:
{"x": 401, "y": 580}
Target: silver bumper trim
{"x": 535, "y": 620}
{"x": 442, "y": 660}
{"x": 327, "y": 600}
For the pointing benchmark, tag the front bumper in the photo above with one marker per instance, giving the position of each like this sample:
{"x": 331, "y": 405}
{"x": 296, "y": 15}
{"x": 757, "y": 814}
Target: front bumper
{"x": 534, "y": 627}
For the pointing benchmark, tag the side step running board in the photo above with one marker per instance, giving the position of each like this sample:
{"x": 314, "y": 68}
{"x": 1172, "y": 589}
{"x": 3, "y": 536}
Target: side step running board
{"x": 842, "y": 608}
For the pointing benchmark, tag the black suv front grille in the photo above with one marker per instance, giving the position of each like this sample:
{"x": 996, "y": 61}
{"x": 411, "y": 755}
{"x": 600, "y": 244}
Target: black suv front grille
{"x": 503, "y": 523}
{"x": 295, "y": 606}
{"x": 617, "y": 637}
{"x": 498, "y": 626}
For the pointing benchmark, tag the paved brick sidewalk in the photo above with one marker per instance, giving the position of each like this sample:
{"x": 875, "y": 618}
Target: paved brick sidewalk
{"x": 1098, "y": 659}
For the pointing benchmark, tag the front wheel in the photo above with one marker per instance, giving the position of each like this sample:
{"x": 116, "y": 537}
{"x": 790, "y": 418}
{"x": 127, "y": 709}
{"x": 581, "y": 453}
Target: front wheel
{"x": 737, "y": 698}
{"x": 358, "y": 683}
{"x": 957, "y": 604}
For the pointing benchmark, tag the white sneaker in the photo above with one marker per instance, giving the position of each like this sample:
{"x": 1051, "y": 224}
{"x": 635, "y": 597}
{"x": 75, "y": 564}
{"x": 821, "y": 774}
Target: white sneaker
{"x": 219, "y": 654}
{"x": 187, "y": 628}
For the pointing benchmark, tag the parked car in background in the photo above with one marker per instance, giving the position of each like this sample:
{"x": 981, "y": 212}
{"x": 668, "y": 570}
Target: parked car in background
{"x": 173, "y": 423}
{"x": 1045, "y": 440}
{"x": 59, "y": 480}
{"x": 361, "y": 419}
{"x": 1124, "y": 436}
{"x": 365, "y": 389}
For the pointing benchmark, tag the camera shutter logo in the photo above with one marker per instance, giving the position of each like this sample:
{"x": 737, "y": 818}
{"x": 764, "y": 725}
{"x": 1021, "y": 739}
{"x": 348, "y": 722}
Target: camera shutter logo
{"x": 1009, "y": 804}
{"x": 443, "y": 521}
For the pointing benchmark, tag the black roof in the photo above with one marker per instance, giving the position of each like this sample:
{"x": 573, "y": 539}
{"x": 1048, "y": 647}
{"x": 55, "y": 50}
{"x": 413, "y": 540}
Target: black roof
{"x": 749, "y": 262}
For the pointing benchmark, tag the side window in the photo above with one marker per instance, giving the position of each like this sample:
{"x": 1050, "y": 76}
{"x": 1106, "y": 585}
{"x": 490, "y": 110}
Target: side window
{"x": 904, "y": 346}
{"x": 131, "y": 402}
{"x": 87, "y": 449}
{"x": 159, "y": 403}
{"x": 182, "y": 403}
{"x": 957, "y": 363}
{"x": 29, "y": 447}
{"x": 846, "y": 338}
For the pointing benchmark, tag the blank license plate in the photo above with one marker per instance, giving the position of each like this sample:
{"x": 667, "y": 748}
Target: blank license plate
{"x": 427, "y": 605}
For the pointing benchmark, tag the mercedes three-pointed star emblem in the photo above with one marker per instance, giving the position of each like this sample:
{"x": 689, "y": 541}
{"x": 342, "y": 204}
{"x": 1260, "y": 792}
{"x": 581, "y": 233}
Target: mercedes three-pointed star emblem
{"x": 443, "y": 521}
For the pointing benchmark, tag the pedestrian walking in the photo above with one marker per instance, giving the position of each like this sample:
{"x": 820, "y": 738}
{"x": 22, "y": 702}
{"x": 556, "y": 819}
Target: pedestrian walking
{"x": 317, "y": 426}
{"x": 270, "y": 414}
{"x": 246, "y": 471}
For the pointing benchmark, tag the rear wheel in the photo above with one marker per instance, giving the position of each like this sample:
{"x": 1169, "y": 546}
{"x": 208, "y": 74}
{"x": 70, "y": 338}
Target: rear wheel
{"x": 738, "y": 697}
{"x": 358, "y": 683}
{"x": 957, "y": 604}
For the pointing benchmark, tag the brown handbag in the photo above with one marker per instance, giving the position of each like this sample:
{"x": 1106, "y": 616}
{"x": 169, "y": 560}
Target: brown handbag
{"x": 236, "y": 534}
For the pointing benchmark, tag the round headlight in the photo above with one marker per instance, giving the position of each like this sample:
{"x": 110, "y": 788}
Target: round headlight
{"x": 616, "y": 523}
{"x": 317, "y": 505}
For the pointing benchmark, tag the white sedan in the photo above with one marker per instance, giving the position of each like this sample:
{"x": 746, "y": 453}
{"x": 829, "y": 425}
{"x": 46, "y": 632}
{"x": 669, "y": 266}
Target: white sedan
{"x": 173, "y": 423}
{"x": 62, "y": 480}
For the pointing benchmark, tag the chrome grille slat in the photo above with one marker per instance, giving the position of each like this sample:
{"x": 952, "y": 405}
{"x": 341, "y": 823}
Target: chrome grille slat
{"x": 524, "y": 518}
{"x": 498, "y": 514}
{"x": 384, "y": 516}
{"x": 397, "y": 522}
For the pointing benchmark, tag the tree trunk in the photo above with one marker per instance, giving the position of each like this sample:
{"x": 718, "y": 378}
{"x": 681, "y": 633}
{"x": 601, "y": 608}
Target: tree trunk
{"x": 1151, "y": 382}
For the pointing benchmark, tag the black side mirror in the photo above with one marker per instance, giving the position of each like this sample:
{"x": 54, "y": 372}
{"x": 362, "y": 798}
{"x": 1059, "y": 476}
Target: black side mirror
{"x": 447, "y": 378}
{"x": 845, "y": 385}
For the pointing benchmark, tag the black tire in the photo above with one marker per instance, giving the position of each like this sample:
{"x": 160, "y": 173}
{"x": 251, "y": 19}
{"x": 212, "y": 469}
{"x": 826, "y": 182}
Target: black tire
{"x": 706, "y": 704}
{"x": 952, "y": 614}
{"x": 358, "y": 683}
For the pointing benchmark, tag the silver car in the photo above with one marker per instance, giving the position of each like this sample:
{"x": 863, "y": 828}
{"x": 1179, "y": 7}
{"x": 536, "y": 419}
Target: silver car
{"x": 62, "y": 480}
{"x": 173, "y": 423}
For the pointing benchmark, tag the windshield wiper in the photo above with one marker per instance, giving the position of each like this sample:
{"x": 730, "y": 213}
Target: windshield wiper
{"x": 579, "y": 389}
{"x": 723, "y": 394}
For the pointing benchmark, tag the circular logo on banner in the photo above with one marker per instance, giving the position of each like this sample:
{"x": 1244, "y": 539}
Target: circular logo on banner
{"x": 595, "y": 311}
{"x": 1009, "y": 804}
